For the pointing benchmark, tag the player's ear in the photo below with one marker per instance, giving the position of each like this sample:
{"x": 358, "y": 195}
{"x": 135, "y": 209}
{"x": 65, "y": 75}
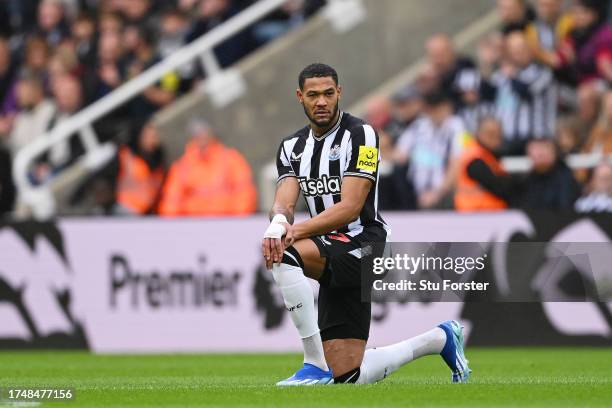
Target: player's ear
{"x": 300, "y": 95}
{"x": 339, "y": 90}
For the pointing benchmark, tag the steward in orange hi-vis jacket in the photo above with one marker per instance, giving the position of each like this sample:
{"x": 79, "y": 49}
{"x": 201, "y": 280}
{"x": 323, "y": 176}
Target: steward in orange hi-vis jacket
{"x": 141, "y": 173}
{"x": 209, "y": 179}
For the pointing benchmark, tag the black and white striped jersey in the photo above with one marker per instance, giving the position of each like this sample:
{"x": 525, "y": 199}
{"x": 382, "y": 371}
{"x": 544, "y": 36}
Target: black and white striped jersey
{"x": 526, "y": 105}
{"x": 349, "y": 149}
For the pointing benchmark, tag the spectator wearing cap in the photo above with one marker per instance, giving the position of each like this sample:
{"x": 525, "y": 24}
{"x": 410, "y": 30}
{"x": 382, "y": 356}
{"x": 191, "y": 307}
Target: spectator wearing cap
{"x": 550, "y": 185}
{"x": 406, "y": 106}
{"x": 431, "y": 147}
{"x": 209, "y": 179}
{"x": 526, "y": 96}
{"x": 587, "y": 50}
{"x": 599, "y": 196}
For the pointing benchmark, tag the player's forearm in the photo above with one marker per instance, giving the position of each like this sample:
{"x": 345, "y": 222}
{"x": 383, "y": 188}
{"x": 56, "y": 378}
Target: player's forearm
{"x": 283, "y": 209}
{"x": 335, "y": 217}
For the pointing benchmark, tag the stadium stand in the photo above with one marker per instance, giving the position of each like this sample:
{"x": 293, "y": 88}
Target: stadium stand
{"x": 548, "y": 59}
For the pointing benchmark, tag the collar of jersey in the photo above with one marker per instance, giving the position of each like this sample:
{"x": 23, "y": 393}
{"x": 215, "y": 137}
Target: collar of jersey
{"x": 330, "y": 131}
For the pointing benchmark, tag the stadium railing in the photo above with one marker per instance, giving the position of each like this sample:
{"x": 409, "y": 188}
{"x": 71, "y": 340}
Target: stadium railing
{"x": 39, "y": 202}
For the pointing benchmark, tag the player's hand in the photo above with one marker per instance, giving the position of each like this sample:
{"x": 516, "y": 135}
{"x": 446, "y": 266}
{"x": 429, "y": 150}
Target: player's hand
{"x": 272, "y": 249}
{"x": 289, "y": 235}
{"x": 272, "y": 244}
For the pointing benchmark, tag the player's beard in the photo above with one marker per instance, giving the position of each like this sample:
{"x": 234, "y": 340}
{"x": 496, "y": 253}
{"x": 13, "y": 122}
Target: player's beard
{"x": 322, "y": 124}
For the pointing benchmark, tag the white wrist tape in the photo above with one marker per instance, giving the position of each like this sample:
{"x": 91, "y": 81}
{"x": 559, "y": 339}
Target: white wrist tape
{"x": 276, "y": 230}
{"x": 279, "y": 218}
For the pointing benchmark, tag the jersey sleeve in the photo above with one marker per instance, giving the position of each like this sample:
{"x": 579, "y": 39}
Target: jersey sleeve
{"x": 363, "y": 155}
{"x": 283, "y": 166}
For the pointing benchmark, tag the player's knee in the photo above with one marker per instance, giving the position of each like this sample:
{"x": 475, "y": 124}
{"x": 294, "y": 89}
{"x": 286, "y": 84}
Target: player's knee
{"x": 290, "y": 269}
{"x": 292, "y": 257}
{"x": 313, "y": 262}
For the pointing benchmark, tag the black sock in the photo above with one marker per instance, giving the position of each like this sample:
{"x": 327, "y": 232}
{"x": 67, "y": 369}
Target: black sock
{"x": 349, "y": 378}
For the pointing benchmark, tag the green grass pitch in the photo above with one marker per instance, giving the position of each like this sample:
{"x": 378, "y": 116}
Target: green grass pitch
{"x": 536, "y": 377}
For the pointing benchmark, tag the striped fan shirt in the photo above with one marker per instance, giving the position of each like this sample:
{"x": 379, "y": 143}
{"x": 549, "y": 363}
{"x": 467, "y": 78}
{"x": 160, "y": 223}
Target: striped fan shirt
{"x": 527, "y": 104}
{"x": 349, "y": 149}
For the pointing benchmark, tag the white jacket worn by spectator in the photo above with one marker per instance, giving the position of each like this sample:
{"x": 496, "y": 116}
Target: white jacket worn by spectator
{"x": 30, "y": 124}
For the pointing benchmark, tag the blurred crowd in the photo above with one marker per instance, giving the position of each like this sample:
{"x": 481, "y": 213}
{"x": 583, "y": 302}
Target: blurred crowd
{"x": 57, "y": 56}
{"x": 539, "y": 87}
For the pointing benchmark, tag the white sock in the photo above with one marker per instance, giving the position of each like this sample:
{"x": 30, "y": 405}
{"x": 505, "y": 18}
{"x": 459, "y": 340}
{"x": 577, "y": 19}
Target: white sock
{"x": 379, "y": 362}
{"x": 299, "y": 300}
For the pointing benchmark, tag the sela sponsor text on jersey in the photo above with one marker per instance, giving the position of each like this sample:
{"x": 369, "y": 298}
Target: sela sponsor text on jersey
{"x": 316, "y": 187}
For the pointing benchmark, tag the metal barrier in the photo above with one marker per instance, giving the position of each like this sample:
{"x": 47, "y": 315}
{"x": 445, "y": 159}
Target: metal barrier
{"x": 39, "y": 201}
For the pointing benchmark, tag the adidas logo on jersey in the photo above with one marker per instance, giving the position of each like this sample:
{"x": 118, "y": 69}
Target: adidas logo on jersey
{"x": 320, "y": 186}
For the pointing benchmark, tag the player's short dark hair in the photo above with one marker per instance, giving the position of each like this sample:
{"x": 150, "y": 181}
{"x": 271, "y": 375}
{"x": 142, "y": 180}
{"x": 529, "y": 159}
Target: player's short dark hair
{"x": 317, "y": 70}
